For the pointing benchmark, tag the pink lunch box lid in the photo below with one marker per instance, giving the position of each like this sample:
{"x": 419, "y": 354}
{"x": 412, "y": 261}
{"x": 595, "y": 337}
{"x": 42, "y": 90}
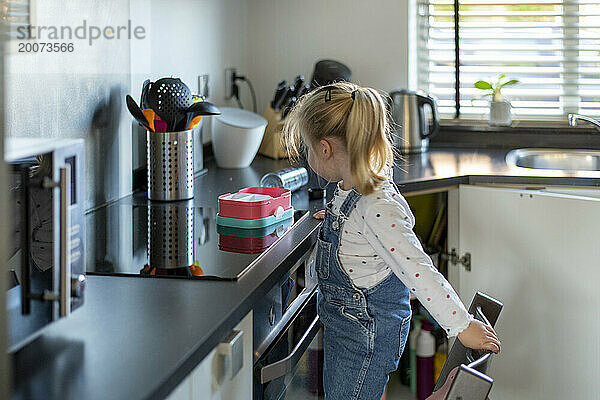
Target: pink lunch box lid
{"x": 232, "y": 208}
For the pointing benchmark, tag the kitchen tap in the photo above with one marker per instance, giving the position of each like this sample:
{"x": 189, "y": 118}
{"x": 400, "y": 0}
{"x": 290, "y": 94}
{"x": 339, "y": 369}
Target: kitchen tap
{"x": 574, "y": 117}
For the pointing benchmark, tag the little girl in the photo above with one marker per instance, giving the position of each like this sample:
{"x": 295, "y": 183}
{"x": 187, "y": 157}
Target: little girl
{"x": 368, "y": 258}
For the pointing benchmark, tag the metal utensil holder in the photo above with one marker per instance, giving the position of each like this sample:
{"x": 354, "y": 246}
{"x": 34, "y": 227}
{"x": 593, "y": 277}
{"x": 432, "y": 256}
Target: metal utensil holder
{"x": 171, "y": 235}
{"x": 170, "y": 165}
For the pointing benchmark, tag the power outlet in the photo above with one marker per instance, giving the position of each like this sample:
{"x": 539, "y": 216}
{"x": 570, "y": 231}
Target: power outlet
{"x": 229, "y": 76}
{"x": 203, "y": 86}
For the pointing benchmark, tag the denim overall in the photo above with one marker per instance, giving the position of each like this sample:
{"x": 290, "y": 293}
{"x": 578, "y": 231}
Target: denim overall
{"x": 365, "y": 330}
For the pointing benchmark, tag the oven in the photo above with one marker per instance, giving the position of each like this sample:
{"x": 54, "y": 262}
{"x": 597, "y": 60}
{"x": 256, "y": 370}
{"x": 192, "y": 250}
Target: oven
{"x": 46, "y": 251}
{"x": 288, "y": 338}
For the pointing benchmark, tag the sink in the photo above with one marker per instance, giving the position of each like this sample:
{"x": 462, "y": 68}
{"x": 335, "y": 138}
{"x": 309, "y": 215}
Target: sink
{"x": 557, "y": 159}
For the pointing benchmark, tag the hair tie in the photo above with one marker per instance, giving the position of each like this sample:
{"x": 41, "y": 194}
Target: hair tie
{"x": 328, "y": 94}
{"x": 353, "y": 93}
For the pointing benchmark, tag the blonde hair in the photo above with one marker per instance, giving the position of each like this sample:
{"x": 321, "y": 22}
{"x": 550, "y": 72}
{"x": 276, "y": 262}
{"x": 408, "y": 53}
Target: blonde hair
{"x": 355, "y": 115}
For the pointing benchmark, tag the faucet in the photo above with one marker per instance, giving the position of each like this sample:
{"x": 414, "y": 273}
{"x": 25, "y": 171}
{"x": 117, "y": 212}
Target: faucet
{"x": 574, "y": 117}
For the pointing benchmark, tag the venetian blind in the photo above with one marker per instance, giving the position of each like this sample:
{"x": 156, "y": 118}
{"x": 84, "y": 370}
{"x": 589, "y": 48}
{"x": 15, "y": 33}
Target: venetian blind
{"x": 551, "y": 46}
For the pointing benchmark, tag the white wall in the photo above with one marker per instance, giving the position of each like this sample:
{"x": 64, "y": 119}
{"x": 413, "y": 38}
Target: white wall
{"x": 267, "y": 40}
{"x": 77, "y": 94}
{"x": 187, "y": 38}
{"x": 286, "y": 38}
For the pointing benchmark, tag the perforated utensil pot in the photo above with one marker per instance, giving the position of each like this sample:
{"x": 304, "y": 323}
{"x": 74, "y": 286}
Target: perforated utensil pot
{"x": 170, "y": 165}
{"x": 171, "y": 235}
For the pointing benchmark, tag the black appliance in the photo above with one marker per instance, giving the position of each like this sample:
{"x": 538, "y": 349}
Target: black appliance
{"x": 47, "y": 250}
{"x": 327, "y": 72}
{"x": 288, "y": 337}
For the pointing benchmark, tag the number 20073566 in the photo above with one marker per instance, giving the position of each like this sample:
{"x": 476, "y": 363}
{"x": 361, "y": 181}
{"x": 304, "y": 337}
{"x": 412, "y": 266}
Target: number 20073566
{"x": 46, "y": 47}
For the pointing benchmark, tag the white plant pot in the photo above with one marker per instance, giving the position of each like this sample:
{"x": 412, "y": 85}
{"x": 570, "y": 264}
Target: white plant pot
{"x": 500, "y": 114}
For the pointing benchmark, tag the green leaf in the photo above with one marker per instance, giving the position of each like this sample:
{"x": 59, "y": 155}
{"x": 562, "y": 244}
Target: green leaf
{"x": 483, "y": 85}
{"x": 501, "y": 76}
{"x": 511, "y": 82}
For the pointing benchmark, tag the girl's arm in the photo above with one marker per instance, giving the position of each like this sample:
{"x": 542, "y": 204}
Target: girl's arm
{"x": 388, "y": 228}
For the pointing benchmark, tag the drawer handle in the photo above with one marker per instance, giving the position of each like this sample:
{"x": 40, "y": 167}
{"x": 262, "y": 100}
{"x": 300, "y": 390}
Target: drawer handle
{"x": 232, "y": 351}
{"x": 285, "y": 366}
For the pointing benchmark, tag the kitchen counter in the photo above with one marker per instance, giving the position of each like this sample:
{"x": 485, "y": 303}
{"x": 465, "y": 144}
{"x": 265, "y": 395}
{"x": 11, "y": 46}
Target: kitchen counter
{"x": 137, "y": 338}
{"x": 441, "y": 168}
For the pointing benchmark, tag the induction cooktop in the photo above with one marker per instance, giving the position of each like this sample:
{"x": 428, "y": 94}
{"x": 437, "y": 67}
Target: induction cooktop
{"x": 174, "y": 240}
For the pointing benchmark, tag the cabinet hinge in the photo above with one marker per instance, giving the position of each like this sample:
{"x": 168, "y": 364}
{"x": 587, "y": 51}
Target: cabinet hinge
{"x": 453, "y": 257}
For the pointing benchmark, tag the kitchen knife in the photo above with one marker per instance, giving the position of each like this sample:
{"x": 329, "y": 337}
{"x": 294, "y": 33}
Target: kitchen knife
{"x": 288, "y": 107}
{"x": 303, "y": 90}
{"x": 281, "y": 88}
{"x": 298, "y": 84}
{"x": 289, "y": 94}
{"x": 281, "y": 99}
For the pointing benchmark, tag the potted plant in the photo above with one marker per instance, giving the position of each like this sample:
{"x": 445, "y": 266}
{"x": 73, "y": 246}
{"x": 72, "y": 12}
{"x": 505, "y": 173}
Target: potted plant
{"x": 499, "y": 106}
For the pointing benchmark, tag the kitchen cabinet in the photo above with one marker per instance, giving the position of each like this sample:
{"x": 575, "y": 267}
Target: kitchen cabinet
{"x": 208, "y": 381}
{"x": 538, "y": 252}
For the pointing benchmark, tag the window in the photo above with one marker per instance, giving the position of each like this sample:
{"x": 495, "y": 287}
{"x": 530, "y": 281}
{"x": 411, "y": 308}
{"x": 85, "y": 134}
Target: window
{"x": 15, "y": 14}
{"x": 551, "y": 46}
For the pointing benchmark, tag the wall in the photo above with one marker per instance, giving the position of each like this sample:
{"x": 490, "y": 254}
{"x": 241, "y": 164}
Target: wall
{"x": 188, "y": 39}
{"x": 286, "y": 38}
{"x": 81, "y": 94}
{"x": 78, "y": 94}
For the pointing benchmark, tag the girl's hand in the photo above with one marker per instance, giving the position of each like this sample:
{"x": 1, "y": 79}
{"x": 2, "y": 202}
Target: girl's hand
{"x": 319, "y": 214}
{"x": 480, "y": 336}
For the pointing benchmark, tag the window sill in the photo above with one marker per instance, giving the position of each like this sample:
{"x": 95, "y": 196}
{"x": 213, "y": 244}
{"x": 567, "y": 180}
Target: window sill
{"x": 558, "y": 126}
{"x": 523, "y": 133}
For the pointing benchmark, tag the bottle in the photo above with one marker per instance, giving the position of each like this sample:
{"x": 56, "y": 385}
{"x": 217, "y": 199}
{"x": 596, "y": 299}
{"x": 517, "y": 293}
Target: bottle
{"x": 441, "y": 355}
{"x": 425, "y": 352}
{"x": 412, "y": 346}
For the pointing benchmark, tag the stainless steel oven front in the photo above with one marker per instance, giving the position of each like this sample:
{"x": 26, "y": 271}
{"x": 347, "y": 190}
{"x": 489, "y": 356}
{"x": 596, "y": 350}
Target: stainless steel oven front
{"x": 288, "y": 339}
{"x": 46, "y": 253}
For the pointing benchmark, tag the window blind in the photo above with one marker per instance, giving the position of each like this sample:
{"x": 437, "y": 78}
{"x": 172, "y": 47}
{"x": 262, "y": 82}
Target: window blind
{"x": 551, "y": 46}
{"x": 15, "y": 14}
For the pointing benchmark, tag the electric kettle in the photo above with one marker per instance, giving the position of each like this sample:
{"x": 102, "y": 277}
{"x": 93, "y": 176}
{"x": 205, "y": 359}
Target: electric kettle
{"x": 411, "y": 133}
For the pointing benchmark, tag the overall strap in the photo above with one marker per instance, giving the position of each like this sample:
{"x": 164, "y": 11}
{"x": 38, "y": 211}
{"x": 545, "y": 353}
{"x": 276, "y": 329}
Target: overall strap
{"x": 350, "y": 203}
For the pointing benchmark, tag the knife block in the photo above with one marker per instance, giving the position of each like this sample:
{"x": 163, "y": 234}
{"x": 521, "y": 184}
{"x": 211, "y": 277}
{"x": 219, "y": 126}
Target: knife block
{"x": 271, "y": 145}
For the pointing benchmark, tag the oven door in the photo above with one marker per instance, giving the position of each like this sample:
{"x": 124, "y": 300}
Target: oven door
{"x": 292, "y": 367}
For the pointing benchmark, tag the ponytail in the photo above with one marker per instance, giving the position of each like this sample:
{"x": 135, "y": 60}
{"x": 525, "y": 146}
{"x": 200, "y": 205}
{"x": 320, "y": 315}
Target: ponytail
{"x": 357, "y": 116}
{"x": 367, "y": 138}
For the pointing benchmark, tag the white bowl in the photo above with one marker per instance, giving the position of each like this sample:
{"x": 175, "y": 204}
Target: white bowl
{"x": 236, "y": 137}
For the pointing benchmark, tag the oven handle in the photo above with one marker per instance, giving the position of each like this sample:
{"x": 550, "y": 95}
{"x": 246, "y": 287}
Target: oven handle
{"x": 285, "y": 366}
{"x": 65, "y": 250}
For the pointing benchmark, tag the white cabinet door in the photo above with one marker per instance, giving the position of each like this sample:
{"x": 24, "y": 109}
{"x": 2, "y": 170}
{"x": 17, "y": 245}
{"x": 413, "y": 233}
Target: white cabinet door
{"x": 207, "y": 380}
{"x": 538, "y": 253}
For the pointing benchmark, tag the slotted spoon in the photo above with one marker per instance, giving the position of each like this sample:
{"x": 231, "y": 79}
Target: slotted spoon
{"x": 170, "y": 98}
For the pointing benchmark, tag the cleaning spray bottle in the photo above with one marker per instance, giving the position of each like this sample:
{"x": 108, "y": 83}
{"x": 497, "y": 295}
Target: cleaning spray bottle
{"x": 425, "y": 352}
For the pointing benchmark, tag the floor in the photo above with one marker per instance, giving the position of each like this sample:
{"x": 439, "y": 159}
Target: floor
{"x": 397, "y": 391}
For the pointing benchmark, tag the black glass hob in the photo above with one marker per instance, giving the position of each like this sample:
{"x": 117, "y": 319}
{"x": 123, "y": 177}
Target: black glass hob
{"x": 173, "y": 240}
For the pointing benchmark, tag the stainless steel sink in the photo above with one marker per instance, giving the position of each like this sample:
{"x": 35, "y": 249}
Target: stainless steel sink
{"x": 557, "y": 159}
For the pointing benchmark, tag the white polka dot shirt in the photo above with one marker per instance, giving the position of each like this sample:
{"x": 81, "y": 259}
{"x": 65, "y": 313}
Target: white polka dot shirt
{"x": 377, "y": 239}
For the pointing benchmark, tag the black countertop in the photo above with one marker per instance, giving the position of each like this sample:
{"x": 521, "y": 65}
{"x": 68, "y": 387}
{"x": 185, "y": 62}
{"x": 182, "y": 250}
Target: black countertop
{"x": 138, "y": 338}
